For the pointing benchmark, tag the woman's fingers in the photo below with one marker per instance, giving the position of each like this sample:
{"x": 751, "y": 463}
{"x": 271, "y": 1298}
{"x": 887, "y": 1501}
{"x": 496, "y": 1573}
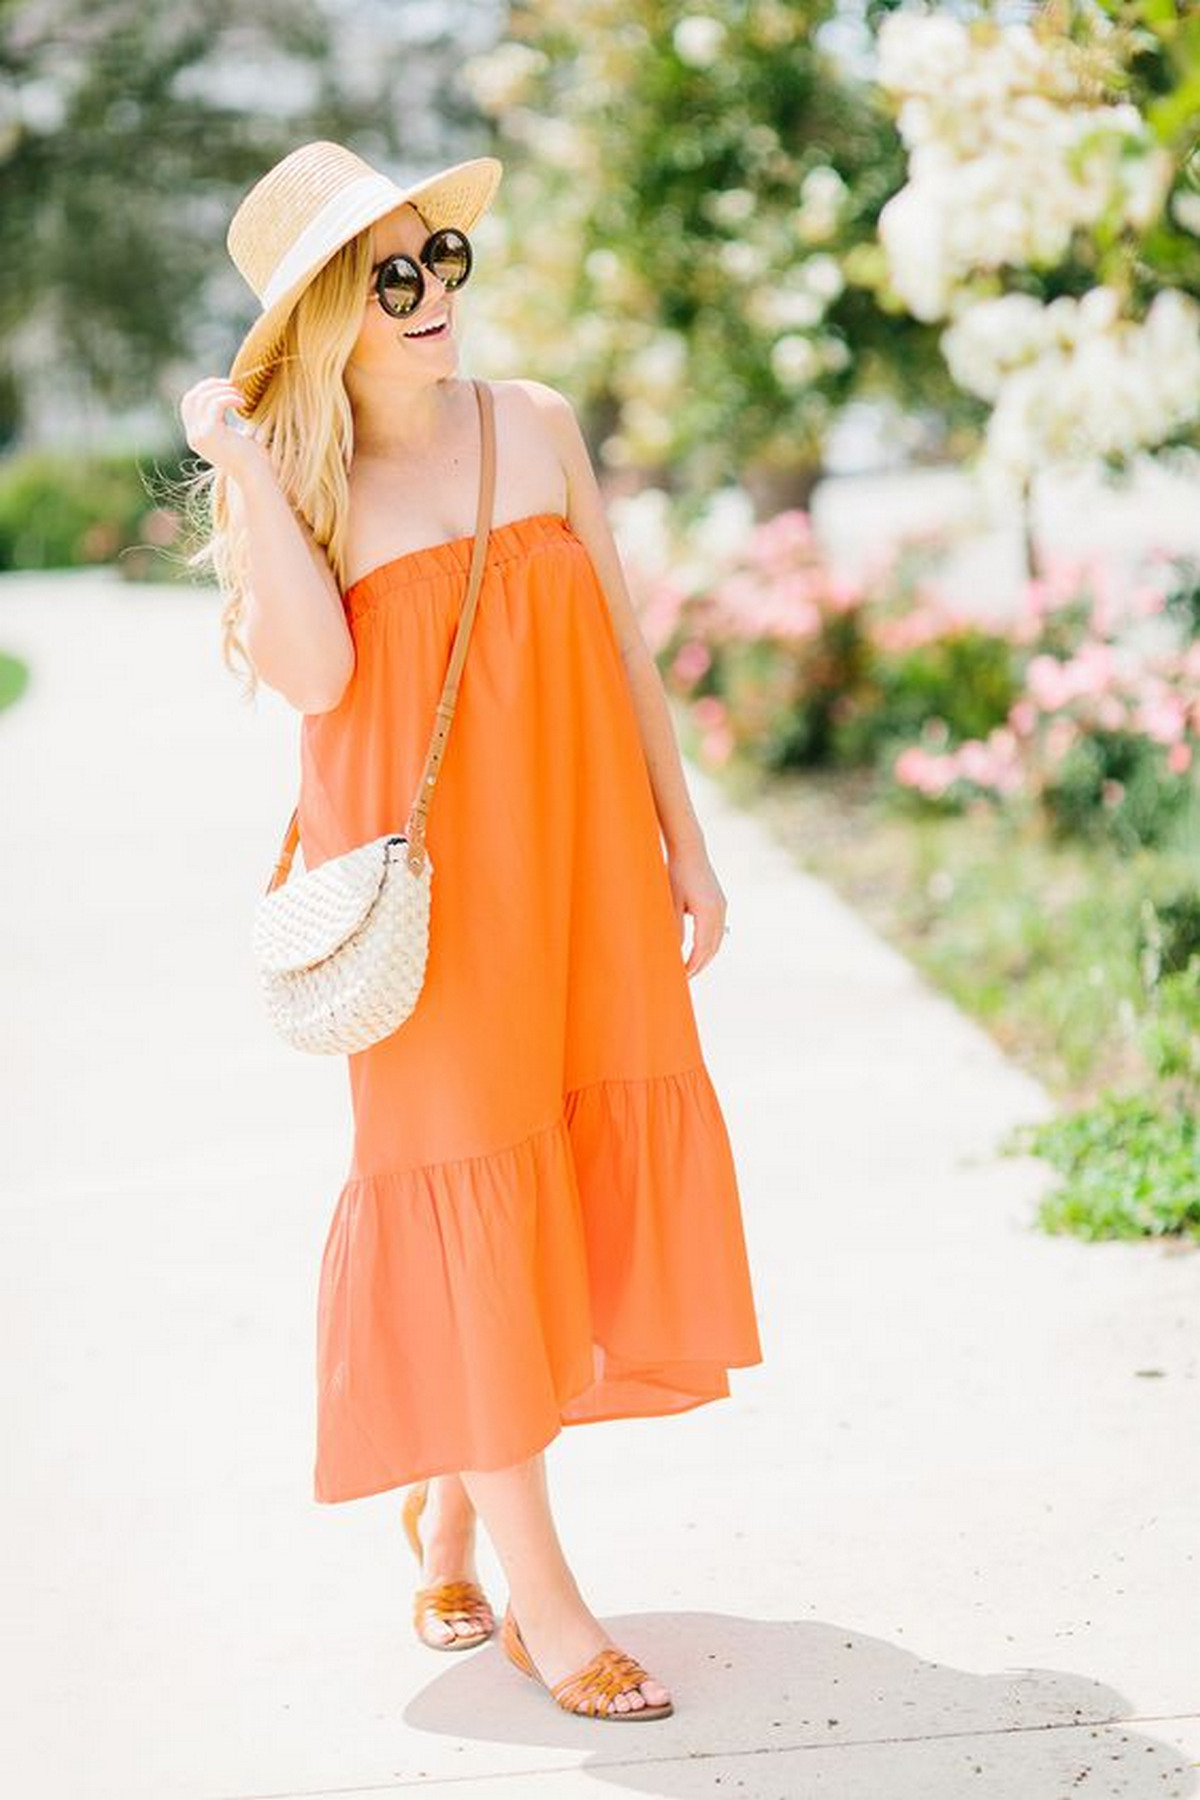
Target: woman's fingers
{"x": 708, "y": 928}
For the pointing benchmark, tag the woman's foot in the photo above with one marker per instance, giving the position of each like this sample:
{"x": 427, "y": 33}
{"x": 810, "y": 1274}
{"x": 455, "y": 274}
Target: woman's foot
{"x": 447, "y": 1538}
{"x": 562, "y": 1636}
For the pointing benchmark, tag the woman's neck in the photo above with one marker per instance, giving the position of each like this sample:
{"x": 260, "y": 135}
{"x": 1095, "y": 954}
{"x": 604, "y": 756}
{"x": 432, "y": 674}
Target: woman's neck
{"x": 398, "y": 420}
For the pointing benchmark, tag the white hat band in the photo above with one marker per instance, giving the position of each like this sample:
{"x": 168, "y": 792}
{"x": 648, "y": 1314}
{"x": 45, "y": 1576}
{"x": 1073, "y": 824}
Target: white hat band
{"x": 355, "y": 205}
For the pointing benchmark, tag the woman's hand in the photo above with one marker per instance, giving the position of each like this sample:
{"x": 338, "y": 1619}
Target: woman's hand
{"x": 227, "y": 448}
{"x": 696, "y": 890}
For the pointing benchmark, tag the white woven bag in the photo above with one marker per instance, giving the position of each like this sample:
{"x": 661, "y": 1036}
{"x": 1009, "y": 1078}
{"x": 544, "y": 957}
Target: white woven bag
{"x": 342, "y": 949}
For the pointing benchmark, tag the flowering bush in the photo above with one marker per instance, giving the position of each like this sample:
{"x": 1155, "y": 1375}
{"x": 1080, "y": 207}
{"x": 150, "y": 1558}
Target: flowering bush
{"x": 1073, "y": 380}
{"x": 1009, "y": 155}
{"x": 782, "y": 660}
{"x": 698, "y": 176}
{"x": 1056, "y": 162}
{"x": 1103, "y": 734}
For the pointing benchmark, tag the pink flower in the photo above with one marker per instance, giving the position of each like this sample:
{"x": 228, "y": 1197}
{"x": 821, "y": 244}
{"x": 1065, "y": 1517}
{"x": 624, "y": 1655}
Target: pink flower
{"x": 692, "y": 660}
{"x": 1094, "y": 667}
{"x": 659, "y": 614}
{"x": 1147, "y": 599}
{"x": 930, "y": 775}
{"x": 1179, "y": 758}
{"x": 1163, "y": 717}
{"x": 717, "y": 745}
{"x": 777, "y": 543}
{"x": 709, "y": 711}
{"x": 1048, "y": 683}
{"x": 1059, "y": 739}
{"x": 842, "y": 594}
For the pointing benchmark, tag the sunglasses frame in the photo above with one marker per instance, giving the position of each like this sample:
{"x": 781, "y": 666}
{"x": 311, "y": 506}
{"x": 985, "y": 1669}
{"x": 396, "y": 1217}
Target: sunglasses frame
{"x": 426, "y": 256}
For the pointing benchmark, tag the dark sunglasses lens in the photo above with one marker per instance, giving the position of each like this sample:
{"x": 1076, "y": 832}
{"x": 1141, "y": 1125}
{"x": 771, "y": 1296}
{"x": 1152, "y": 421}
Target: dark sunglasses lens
{"x": 399, "y": 285}
{"x": 449, "y": 256}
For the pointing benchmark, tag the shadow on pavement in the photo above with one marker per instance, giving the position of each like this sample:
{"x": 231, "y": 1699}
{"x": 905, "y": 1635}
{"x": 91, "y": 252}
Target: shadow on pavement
{"x": 798, "y": 1708}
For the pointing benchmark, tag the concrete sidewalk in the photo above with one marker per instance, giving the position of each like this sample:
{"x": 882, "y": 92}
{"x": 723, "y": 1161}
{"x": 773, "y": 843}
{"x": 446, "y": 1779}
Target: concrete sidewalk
{"x": 943, "y": 1543}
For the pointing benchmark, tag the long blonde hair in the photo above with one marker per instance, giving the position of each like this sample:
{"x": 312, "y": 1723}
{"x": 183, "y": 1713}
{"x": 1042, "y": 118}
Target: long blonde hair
{"x": 305, "y": 423}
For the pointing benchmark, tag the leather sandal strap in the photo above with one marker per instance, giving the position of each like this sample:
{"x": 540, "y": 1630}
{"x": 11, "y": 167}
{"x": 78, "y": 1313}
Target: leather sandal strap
{"x": 446, "y": 1597}
{"x": 609, "y": 1673}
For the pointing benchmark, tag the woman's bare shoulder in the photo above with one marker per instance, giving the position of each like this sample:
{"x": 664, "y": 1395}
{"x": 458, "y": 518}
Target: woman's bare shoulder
{"x": 537, "y": 396}
{"x": 540, "y": 415}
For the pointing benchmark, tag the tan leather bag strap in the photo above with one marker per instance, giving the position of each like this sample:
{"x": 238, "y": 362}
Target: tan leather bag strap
{"x": 414, "y": 829}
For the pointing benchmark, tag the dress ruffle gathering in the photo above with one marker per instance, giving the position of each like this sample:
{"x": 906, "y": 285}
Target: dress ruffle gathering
{"x": 541, "y": 1224}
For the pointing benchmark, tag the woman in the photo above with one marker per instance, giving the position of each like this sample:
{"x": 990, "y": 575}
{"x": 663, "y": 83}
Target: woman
{"x": 540, "y": 1225}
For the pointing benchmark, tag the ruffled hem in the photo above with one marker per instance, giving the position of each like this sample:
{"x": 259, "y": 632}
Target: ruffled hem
{"x": 469, "y": 1310}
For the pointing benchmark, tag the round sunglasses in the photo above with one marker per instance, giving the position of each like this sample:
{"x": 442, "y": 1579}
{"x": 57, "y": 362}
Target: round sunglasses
{"x": 399, "y": 283}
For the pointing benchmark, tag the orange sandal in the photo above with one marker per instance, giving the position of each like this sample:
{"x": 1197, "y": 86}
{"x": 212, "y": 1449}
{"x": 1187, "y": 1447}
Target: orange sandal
{"x": 591, "y": 1690}
{"x": 443, "y": 1601}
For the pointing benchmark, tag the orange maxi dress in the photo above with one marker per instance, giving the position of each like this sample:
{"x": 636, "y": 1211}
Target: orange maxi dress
{"x": 540, "y": 1225}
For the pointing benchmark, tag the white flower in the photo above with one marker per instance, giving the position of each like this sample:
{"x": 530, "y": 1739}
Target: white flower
{"x": 721, "y": 531}
{"x": 744, "y": 261}
{"x": 991, "y": 339}
{"x": 912, "y": 230}
{"x": 645, "y": 428}
{"x": 795, "y": 360}
{"x": 822, "y": 187}
{"x": 698, "y": 40}
{"x": 822, "y": 196}
{"x": 822, "y": 276}
{"x": 642, "y": 527}
{"x": 1185, "y": 210}
{"x": 658, "y": 368}
{"x": 778, "y": 309}
{"x": 921, "y": 54}
{"x": 834, "y": 353}
{"x": 1007, "y": 157}
{"x": 730, "y": 206}
{"x": 503, "y": 77}
{"x": 1082, "y": 382}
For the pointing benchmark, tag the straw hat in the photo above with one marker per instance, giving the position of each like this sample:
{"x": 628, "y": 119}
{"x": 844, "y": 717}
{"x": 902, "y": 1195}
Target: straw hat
{"x": 305, "y": 208}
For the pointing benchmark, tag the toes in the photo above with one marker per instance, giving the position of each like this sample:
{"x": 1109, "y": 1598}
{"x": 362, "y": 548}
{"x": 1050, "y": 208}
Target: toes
{"x": 655, "y": 1693}
{"x": 470, "y": 1626}
{"x": 628, "y": 1700}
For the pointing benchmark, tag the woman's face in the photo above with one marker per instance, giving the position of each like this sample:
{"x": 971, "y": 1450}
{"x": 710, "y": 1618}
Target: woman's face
{"x": 385, "y": 345}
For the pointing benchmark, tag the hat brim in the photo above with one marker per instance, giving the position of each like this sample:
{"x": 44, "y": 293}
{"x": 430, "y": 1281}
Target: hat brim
{"x": 457, "y": 196}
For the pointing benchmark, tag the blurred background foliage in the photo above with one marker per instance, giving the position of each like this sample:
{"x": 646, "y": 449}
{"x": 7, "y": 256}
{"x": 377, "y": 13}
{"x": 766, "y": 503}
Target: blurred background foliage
{"x": 686, "y": 240}
{"x": 129, "y": 130}
{"x": 690, "y": 212}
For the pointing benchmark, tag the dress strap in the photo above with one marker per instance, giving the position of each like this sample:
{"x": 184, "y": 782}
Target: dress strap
{"x": 414, "y": 829}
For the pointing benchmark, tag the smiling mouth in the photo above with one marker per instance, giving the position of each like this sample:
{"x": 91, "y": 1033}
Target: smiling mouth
{"x": 431, "y": 331}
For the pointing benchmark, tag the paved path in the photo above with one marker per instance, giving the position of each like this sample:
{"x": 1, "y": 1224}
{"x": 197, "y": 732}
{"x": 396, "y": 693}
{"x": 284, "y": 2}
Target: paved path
{"x": 944, "y": 1543}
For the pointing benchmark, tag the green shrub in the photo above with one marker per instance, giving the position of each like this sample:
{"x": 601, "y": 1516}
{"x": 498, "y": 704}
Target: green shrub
{"x": 966, "y": 678}
{"x": 1168, "y": 936}
{"x": 14, "y": 678}
{"x": 1112, "y": 784}
{"x": 66, "y": 511}
{"x": 1130, "y": 1167}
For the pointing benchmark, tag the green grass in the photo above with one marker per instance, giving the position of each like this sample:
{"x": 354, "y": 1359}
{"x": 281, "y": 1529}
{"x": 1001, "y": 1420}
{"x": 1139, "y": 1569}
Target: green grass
{"x": 14, "y": 679}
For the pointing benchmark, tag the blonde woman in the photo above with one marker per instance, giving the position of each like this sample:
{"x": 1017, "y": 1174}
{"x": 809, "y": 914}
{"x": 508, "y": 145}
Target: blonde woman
{"x": 540, "y": 1224}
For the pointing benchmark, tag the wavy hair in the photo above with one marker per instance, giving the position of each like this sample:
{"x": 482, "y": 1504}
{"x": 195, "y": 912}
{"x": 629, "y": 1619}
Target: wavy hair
{"x": 304, "y": 421}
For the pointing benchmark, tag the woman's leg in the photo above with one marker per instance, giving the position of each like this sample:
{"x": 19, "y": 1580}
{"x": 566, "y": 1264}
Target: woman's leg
{"x": 447, "y": 1534}
{"x": 559, "y": 1631}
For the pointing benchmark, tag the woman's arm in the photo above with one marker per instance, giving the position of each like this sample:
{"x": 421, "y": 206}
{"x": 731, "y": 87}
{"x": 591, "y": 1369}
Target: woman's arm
{"x": 294, "y": 627}
{"x": 693, "y": 882}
